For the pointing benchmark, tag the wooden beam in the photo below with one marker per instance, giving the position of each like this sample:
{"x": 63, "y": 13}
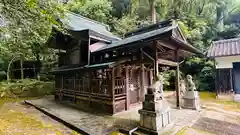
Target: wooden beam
{"x": 177, "y": 85}
{"x": 167, "y": 62}
{"x": 167, "y": 45}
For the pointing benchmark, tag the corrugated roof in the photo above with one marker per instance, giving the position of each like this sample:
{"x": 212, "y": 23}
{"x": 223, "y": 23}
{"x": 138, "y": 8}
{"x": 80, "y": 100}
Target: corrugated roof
{"x": 138, "y": 37}
{"x": 77, "y": 22}
{"x": 227, "y": 47}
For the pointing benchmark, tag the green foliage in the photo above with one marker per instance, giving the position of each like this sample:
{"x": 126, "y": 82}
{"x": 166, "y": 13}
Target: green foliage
{"x": 99, "y": 10}
{"x": 26, "y": 27}
{"x": 202, "y": 71}
{"x": 125, "y": 24}
{"x": 121, "y": 7}
{"x": 25, "y": 88}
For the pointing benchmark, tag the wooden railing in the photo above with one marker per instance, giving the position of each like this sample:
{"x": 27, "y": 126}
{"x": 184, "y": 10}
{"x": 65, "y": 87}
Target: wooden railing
{"x": 95, "y": 87}
{"x": 119, "y": 87}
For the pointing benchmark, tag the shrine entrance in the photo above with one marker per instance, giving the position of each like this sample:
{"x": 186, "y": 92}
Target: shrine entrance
{"x": 134, "y": 86}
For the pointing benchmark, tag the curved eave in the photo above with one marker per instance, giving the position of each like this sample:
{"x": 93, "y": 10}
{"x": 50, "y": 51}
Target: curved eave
{"x": 187, "y": 47}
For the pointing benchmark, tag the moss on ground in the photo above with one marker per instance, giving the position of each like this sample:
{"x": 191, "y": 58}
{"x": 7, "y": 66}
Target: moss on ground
{"x": 16, "y": 119}
{"x": 116, "y": 133}
{"x": 182, "y": 131}
{"x": 207, "y": 95}
{"x": 192, "y": 131}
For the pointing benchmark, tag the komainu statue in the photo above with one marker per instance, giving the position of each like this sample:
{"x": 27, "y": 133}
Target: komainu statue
{"x": 157, "y": 87}
{"x": 191, "y": 98}
{"x": 190, "y": 84}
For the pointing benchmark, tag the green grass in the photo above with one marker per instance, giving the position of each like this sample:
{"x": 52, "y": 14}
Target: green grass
{"x": 200, "y": 132}
{"x": 207, "y": 95}
{"x": 116, "y": 133}
{"x": 228, "y": 105}
{"x": 182, "y": 131}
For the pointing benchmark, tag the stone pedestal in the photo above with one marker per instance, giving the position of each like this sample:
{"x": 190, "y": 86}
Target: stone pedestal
{"x": 191, "y": 100}
{"x": 154, "y": 115}
{"x": 237, "y": 97}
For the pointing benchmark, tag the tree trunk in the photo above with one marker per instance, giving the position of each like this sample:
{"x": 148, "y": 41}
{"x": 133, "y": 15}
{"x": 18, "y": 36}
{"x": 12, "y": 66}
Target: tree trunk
{"x": 21, "y": 64}
{"x": 37, "y": 67}
{"x": 153, "y": 10}
{"x": 220, "y": 17}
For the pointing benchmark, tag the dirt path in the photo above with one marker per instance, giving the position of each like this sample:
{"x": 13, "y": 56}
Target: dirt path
{"x": 20, "y": 119}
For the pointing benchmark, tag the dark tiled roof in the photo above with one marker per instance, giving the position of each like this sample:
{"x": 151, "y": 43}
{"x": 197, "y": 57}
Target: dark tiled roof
{"x": 77, "y": 22}
{"x": 149, "y": 28}
{"x": 138, "y": 37}
{"x": 225, "y": 47}
{"x": 148, "y": 33}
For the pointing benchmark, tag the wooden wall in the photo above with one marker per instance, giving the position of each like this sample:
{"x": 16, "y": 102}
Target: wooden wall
{"x": 108, "y": 90}
{"x": 223, "y": 82}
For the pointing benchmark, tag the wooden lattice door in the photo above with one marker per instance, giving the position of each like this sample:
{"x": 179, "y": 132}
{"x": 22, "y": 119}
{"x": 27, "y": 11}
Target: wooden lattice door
{"x": 134, "y": 85}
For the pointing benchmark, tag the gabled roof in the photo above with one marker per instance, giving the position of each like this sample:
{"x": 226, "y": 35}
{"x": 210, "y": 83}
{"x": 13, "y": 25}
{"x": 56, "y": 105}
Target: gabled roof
{"x": 138, "y": 37}
{"x": 150, "y": 32}
{"x": 77, "y": 23}
{"x": 226, "y": 47}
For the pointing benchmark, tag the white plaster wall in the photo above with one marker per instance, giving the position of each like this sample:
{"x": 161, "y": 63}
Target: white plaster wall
{"x": 226, "y": 62}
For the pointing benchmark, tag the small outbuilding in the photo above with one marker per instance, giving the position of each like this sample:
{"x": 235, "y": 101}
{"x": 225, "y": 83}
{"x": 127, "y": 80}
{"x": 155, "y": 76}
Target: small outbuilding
{"x": 226, "y": 54}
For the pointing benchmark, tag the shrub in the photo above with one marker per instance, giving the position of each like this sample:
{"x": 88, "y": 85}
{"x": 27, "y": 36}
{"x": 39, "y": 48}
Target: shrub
{"x": 25, "y": 88}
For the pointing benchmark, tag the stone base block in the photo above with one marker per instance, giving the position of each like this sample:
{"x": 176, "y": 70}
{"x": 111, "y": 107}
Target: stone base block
{"x": 152, "y": 122}
{"x": 237, "y": 97}
{"x": 191, "y": 100}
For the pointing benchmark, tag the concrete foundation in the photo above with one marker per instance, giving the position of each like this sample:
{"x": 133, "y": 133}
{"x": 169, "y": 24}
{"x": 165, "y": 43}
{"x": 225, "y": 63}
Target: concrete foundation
{"x": 237, "y": 97}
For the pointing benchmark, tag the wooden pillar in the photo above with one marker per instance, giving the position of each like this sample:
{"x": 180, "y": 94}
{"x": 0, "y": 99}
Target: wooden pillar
{"x": 142, "y": 83}
{"x": 113, "y": 91}
{"x": 89, "y": 43}
{"x": 74, "y": 87}
{"x": 155, "y": 60}
{"x": 89, "y": 88}
{"x": 62, "y": 82}
{"x": 177, "y": 85}
{"x": 127, "y": 88}
{"x": 231, "y": 80}
{"x": 216, "y": 77}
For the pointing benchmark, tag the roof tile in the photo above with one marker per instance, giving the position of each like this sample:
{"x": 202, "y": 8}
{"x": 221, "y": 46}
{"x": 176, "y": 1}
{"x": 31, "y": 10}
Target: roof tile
{"x": 225, "y": 47}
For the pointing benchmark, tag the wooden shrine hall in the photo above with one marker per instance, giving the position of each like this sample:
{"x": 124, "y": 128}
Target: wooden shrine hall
{"x": 109, "y": 74}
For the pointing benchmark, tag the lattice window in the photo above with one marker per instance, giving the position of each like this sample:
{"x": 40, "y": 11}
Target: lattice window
{"x": 58, "y": 82}
{"x": 68, "y": 83}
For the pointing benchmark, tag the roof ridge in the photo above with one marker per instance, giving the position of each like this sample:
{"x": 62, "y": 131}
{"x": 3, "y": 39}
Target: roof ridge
{"x": 97, "y": 22}
{"x": 226, "y": 40}
{"x": 150, "y": 26}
